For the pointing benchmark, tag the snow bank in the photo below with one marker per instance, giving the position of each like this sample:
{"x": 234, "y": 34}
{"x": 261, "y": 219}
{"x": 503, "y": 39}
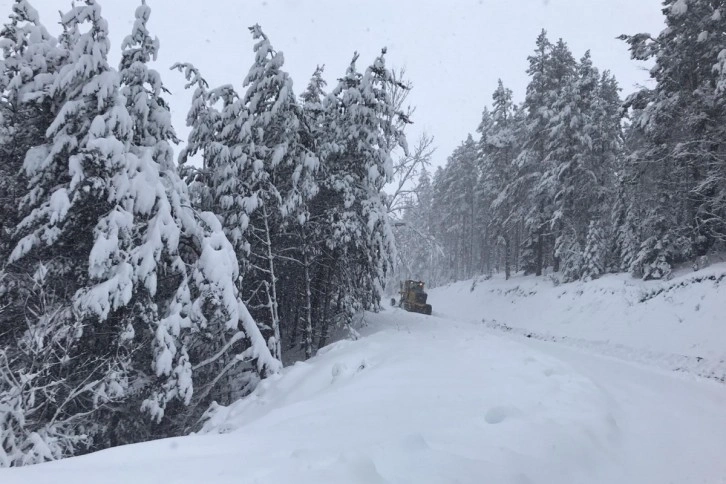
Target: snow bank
{"x": 678, "y": 324}
{"x": 421, "y": 399}
{"x": 417, "y": 399}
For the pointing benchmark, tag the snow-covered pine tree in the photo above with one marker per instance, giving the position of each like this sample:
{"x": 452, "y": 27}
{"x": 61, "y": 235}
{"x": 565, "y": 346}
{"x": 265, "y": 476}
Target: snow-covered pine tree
{"x": 314, "y": 94}
{"x": 309, "y": 307}
{"x": 535, "y": 172}
{"x": 205, "y": 122}
{"x": 463, "y": 168}
{"x": 262, "y": 175}
{"x": 485, "y": 191}
{"x": 593, "y": 263}
{"x": 560, "y": 138}
{"x": 441, "y": 223}
{"x": 629, "y": 239}
{"x": 139, "y": 278}
{"x": 683, "y": 120}
{"x": 221, "y": 349}
{"x": 547, "y": 169}
{"x": 626, "y": 213}
{"x": 499, "y": 148}
{"x": 572, "y": 130}
{"x": 31, "y": 57}
{"x": 605, "y": 164}
{"x": 142, "y": 88}
{"x": 83, "y": 374}
{"x": 30, "y": 60}
{"x": 356, "y": 165}
{"x": 418, "y": 248}
{"x": 456, "y": 208}
{"x": 624, "y": 243}
{"x": 435, "y": 217}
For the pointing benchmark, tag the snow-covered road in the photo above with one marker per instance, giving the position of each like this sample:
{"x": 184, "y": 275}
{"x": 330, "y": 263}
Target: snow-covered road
{"x": 671, "y": 423}
{"x": 440, "y": 399}
{"x": 672, "y": 427}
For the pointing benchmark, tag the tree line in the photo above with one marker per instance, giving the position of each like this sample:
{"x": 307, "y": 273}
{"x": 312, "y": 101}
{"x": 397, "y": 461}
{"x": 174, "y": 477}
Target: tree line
{"x": 137, "y": 291}
{"x": 573, "y": 181}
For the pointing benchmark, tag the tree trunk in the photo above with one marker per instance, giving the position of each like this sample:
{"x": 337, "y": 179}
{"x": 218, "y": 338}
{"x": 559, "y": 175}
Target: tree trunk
{"x": 507, "y": 257}
{"x": 272, "y": 289}
{"x": 540, "y": 252}
{"x": 308, "y": 311}
{"x": 325, "y": 323}
{"x": 295, "y": 327}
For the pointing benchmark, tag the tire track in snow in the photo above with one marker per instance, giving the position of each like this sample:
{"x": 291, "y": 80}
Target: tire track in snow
{"x": 693, "y": 365}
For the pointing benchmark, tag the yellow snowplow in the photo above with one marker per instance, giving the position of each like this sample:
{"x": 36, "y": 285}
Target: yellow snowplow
{"x": 413, "y": 297}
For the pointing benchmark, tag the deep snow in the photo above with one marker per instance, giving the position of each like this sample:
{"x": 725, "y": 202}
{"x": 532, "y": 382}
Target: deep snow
{"x": 454, "y": 398}
{"x": 678, "y": 324}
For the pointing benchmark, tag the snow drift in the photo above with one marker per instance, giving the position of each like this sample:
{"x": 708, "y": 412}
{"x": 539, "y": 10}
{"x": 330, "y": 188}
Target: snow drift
{"x": 678, "y": 324}
{"x": 431, "y": 399}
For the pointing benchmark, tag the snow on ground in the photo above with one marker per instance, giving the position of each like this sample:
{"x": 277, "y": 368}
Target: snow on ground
{"x": 417, "y": 400}
{"x": 447, "y": 399}
{"x": 678, "y": 324}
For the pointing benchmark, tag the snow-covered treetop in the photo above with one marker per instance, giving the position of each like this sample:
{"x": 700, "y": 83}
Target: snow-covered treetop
{"x": 30, "y": 54}
{"x": 367, "y": 117}
{"x": 139, "y": 46}
{"x": 315, "y": 91}
{"x": 142, "y": 88}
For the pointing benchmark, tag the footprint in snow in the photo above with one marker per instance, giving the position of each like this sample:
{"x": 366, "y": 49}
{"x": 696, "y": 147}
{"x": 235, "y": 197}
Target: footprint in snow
{"x": 341, "y": 370}
{"x": 414, "y": 442}
{"x": 499, "y": 414}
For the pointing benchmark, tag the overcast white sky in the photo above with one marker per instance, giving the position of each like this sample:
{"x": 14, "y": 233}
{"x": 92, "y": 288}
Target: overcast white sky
{"x": 454, "y": 50}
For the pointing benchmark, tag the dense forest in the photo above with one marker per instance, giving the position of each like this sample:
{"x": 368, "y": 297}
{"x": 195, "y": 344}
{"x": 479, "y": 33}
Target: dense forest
{"x": 138, "y": 290}
{"x": 577, "y": 183}
{"x": 135, "y": 286}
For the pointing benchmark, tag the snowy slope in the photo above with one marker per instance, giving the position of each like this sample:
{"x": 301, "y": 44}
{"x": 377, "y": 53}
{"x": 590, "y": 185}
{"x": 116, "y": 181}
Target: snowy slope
{"x": 678, "y": 324}
{"x": 418, "y": 400}
{"x": 439, "y": 400}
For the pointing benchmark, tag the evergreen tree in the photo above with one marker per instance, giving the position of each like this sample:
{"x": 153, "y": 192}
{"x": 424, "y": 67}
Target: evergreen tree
{"x": 132, "y": 284}
{"x": 532, "y": 170}
{"x": 314, "y": 94}
{"x": 682, "y": 120}
{"x": 462, "y": 201}
{"x": 357, "y": 165}
{"x": 271, "y": 172}
{"x": 585, "y": 155}
{"x": 624, "y": 222}
{"x": 30, "y": 62}
{"x": 259, "y": 175}
{"x": 205, "y": 123}
{"x": 31, "y": 58}
{"x": 497, "y": 189}
{"x": 310, "y": 233}
{"x": 593, "y": 264}
{"x": 552, "y": 70}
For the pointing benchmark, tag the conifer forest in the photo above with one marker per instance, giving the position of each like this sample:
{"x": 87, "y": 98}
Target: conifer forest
{"x": 146, "y": 280}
